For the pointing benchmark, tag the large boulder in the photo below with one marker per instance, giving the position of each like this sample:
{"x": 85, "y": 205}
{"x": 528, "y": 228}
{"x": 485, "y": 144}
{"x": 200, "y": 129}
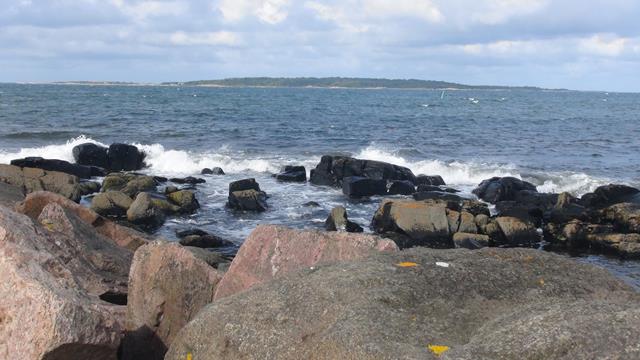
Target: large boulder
{"x": 339, "y": 221}
{"x": 130, "y": 184}
{"x": 424, "y": 223}
{"x": 291, "y": 173}
{"x": 425, "y": 304}
{"x": 501, "y": 189}
{"x": 358, "y": 187}
{"x": 90, "y": 154}
{"x": 31, "y": 179}
{"x": 246, "y": 195}
{"x": 185, "y": 200}
{"x": 62, "y": 286}
{"x": 111, "y": 204}
{"x": 144, "y": 213}
{"x": 332, "y": 169}
{"x": 81, "y": 171}
{"x": 518, "y": 232}
{"x": 272, "y": 251}
{"x": 625, "y": 217}
{"x": 124, "y": 157}
{"x": 401, "y": 187}
{"x": 611, "y": 194}
{"x": 121, "y": 235}
{"x": 168, "y": 285}
{"x": 433, "y": 180}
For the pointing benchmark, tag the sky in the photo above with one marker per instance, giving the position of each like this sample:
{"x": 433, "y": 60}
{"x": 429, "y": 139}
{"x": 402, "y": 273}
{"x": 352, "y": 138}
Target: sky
{"x": 576, "y": 44}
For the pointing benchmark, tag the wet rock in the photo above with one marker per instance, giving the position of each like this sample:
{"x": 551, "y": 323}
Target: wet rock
{"x": 168, "y": 285}
{"x": 488, "y": 304}
{"x": 333, "y": 169}
{"x": 170, "y": 189}
{"x": 81, "y": 171}
{"x": 401, "y": 187}
{"x": 625, "y": 217}
{"x": 144, "y": 213}
{"x": 428, "y": 188}
{"x": 470, "y": 241}
{"x": 434, "y": 195}
{"x": 272, "y": 251}
{"x": 214, "y": 171}
{"x": 111, "y": 204}
{"x": 201, "y": 239}
{"x": 292, "y": 174}
{"x": 216, "y": 260}
{"x": 88, "y": 187}
{"x": 611, "y": 194}
{"x": 53, "y": 272}
{"x": 433, "y": 180}
{"x": 123, "y": 157}
{"x": 188, "y": 180}
{"x": 91, "y": 155}
{"x": 139, "y": 184}
{"x": 518, "y": 232}
{"x": 311, "y": 204}
{"x": 424, "y": 222}
{"x": 501, "y": 189}
{"x": 248, "y": 200}
{"x": 244, "y": 184}
{"x": 339, "y": 221}
{"x": 566, "y": 208}
{"x": 30, "y": 180}
{"x": 166, "y": 206}
{"x": 120, "y": 235}
{"x": 627, "y": 246}
{"x": 184, "y": 199}
{"x": 475, "y": 207}
{"x": 358, "y": 187}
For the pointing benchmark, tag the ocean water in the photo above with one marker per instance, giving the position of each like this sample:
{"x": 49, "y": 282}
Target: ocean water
{"x": 558, "y": 140}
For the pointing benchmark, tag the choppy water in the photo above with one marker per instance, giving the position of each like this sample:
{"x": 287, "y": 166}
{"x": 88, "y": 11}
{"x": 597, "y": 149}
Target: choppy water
{"x": 558, "y": 140}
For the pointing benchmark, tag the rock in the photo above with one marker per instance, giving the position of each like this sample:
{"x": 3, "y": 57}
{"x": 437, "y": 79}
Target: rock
{"x": 168, "y": 285}
{"x": 201, "y": 239}
{"x": 311, "y": 204}
{"x": 433, "y": 180}
{"x": 627, "y": 246}
{"x": 244, "y": 184}
{"x": 170, "y": 189}
{"x": 123, "y": 157}
{"x": 357, "y": 187}
{"x": 139, "y": 184}
{"x": 535, "y": 200}
{"x": 523, "y": 212}
{"x": 272, "y": 251}
{"x": 611, "y": 194}
{"x": 55, "y": 281}
{"x": 10, "y": 195}
{"x": 88, "y": 187}
{"x": 188, "y": 180}
{"x": 333, "y": 169}
{"x": 572, "y": 235}
{"x": 401, "y": 187}
{"x": 91, "y": 155}
{"x": 518, "y": 232}
{"x": 248, "y": 200}
{"x": 338, "y": 221}
{"x": 214, "y": 259}
{"x": 160, "y": 179}
{"x": 111, "y": 204}
{"x": 144, "y": 213}
{"x": 121, "y": 235}
{"x": 81, "y": 171}
{"x": 566, "y": 208}
{"x": 428, "y": 188}
{"x": 488, "y": 304}
{"x": 166, "y": 206}
{"x": 624, "y": 216}
{"x": 292, "y": 174}
{"x": 435, "y": 195}
{"x": 214, "y": 171}
{"x": 424, "y": 222}
{"x": 470, "y": 241}
{"x": 501, "y": 189}
{"x": 475, "y": 207}
{"x": 185, "y": 199}
{"x": 30, "y": 180}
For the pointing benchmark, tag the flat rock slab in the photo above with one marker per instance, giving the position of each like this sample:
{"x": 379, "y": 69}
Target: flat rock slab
{"x": 482, "y": 304}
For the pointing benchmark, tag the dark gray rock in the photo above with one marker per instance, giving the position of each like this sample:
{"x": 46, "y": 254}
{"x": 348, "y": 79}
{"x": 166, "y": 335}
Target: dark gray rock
{"x": 184, "y": 199}
{"x": 501, "y": 189}
{"x": 611, "y": 194}
{"x": 202, "y": 239}
{"x": 435, "y": 195}
{"x": 333, "y": 169}
{"x": 124, "y": 157}
{"x": 214, "y": 171}
{"x": 427, "y": 188}
{"x": 188, "y": 180}
{"x": 292, "y": 174}
{"x": 90, "y": 154}
{"x": 339, "y": 221}
{"x": 433, "y": 180}
{"x": 358, "y": 187}
{"x": 81, "y": 171}
{"x": 248, "y": 200}
{"x": 244, "y": 184}
{"x": 487, "y": 304}
{"x": 401, "y": 187}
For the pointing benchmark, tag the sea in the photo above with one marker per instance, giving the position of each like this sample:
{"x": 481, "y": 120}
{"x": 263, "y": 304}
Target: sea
{"x": 556, "y": 139}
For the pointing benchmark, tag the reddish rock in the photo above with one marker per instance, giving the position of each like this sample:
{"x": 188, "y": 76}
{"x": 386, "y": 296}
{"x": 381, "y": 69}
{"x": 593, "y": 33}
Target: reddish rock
{"x": 121, "y": 235}
{"x": 168, "y": 285}
{"x": 271, "y": 251}
{"x": 52, "y": 278}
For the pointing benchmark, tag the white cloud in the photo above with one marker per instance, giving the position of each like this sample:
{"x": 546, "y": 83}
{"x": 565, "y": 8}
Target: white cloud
{"x": 421, "y": 9}
{"x": 141, "y": 10}
{"x": 494, "y": 12}
{"x": 604, "y": 45}
{"x": 210, "y": 38}
{"x": 268, "y": 11}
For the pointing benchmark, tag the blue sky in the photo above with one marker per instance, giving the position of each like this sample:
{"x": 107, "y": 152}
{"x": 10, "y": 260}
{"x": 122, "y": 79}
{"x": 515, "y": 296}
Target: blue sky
{"x": 587, "y": 45}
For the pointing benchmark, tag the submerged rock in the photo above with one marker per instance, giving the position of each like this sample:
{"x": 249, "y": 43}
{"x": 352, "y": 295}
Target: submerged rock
{"x": 246, "y": 195}
{"x": 185, "y": 200}
{"x": 272, "y": 251}
{"x": 188, "y": 180}
{"x": 484, "y": 304}
{"x": 338, "y": 221}
{"x": 168, "y": 285}
{"x": 214, "y": 171}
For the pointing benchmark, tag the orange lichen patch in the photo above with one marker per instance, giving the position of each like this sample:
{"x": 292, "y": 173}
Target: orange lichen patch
{"x": 541, "y": 282}
{"x": 189, "y": 356}
{"x": 438, "y": 349}
{"x": 407, "y": 264}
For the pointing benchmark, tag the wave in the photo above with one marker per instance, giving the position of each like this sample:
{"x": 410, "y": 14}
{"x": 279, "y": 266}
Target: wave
{"x": 465, "y": 175}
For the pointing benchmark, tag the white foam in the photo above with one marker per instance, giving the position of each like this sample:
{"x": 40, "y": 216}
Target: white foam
{"x": 62, "y": 151}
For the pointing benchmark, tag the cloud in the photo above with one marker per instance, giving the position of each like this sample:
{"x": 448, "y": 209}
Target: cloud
{"x": 267, "y": 11}
{"x": 210, "y": 39}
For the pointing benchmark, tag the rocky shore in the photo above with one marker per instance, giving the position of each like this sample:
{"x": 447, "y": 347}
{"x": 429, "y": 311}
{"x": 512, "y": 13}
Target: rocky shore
{"x": 435, "y": 274}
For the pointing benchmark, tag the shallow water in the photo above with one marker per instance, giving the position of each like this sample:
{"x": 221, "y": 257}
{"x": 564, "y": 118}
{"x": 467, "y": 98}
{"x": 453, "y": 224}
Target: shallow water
{"x": 558, "y": 140}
